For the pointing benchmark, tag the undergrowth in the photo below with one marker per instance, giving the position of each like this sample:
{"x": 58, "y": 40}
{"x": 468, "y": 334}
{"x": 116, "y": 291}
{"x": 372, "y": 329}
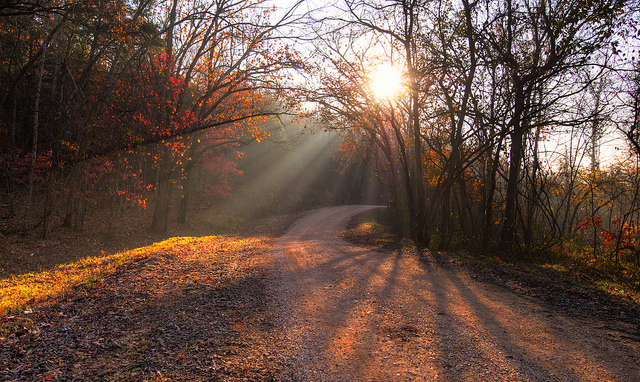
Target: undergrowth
{"x": 619, "y": 280}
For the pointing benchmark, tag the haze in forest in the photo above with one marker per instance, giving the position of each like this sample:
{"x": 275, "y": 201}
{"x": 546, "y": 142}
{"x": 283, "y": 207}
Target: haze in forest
{"x": 490, "y": 137}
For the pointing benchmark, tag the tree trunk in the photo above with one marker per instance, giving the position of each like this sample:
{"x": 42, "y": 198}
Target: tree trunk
{"x": 81, "y": 207}
{"x": 515, "y": 162}
{"x": 14, "y": 158}
{"x": 48, "y": 204}
{"x": 445, "y": 217}
{"x": 68, "y": 217}
{"x": 488, "y": 210}
{"x": 450, "y": 174}
{"x": 534, "y": 192}
{"x": 186, "y": 194}
{"x": 414, "y": 172}
{"x": 405, "y": 165}
{"x": 160, "y": 221}
{"x": 116, "y": 203}
{"x": 187, "y": 181}
{"x": 34, "y": 148}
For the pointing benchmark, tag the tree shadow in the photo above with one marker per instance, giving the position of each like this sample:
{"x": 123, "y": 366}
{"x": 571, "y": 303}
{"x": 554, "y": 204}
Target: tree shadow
{"x": 366, "y": 312}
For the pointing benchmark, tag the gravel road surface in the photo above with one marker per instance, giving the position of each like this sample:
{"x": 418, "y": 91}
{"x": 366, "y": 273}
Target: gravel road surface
{"x": 353, "y": 314}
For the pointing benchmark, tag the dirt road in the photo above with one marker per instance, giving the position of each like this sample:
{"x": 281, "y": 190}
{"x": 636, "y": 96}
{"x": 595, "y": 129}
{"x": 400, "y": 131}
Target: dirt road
{"x": 349, "y": 313}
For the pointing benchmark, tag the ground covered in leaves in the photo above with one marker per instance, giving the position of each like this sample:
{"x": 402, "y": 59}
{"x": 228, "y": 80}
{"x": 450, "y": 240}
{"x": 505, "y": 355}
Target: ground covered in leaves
{"x": 196, "y": 311}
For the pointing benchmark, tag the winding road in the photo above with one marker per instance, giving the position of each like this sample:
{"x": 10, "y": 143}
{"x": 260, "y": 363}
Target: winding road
{"x": 356, "y": 314}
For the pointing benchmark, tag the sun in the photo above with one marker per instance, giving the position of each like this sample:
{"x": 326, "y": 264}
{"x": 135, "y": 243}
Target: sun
{"x": 385, "y": 81}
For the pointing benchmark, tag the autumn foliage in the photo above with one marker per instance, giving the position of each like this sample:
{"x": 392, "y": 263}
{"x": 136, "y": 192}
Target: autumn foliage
{"x": 618, "y": 238}
{"x": 108, "y": 105}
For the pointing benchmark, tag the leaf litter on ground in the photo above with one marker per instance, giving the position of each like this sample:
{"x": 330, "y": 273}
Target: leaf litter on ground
{"x": 182, "y": 309}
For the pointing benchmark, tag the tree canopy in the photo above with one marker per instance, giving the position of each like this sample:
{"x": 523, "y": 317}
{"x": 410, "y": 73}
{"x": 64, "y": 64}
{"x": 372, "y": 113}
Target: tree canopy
{"x": 495, "y": 137}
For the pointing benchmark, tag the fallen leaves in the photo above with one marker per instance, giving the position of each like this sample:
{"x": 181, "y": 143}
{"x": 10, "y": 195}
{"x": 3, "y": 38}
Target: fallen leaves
{"x": 188, "y": 309}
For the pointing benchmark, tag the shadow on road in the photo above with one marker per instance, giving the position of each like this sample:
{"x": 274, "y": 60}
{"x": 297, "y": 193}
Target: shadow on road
{"x": 361, "y": 314}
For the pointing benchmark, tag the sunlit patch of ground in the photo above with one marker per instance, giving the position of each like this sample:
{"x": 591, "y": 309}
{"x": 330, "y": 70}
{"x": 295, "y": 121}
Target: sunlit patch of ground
{"x": 372, "y": 228}
{"x": 17, "y": 293}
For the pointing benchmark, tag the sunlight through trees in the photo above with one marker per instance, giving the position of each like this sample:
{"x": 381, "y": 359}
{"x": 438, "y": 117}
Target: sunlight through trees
{"x": 484, "y": 122}
{"x": 471, "y": 151}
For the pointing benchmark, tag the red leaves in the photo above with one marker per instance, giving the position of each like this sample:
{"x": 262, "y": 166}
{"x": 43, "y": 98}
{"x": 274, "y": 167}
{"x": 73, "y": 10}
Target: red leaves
{"x": 626, "y": 232}
{"x": 145, "y": 105}
{"x": 624, "y": 235}
{"x": 590, "y": 221}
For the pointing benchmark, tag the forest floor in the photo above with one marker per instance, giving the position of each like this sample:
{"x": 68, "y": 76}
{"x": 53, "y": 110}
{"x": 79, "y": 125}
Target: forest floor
{"x": 230, "y": 308}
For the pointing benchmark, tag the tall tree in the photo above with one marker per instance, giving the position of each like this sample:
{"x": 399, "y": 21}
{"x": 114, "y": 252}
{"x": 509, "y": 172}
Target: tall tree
{"x": 539, "y": 42}
{"x": 230, "y": 58}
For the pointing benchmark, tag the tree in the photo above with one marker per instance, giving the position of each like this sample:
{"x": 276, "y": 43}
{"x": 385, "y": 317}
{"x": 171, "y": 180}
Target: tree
{"x": 539, "y": 43}
{"x": 230, "y": 57}
{"x": 120, "y": 78}
{"x": 482, "y": 78}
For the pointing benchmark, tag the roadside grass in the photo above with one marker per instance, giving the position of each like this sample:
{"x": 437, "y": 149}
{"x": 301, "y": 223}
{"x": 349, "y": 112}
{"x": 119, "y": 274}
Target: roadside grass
{"x": 372, "y": 228}
{"x": 622, "y": 280}
{"x": 580, "y": 268}
{"x": 576, "y": 263}
{"x": 19, "y": 292}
